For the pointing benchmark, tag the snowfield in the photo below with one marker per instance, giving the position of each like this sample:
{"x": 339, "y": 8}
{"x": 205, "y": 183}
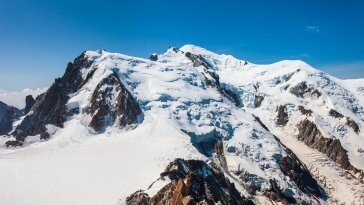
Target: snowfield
{"x": 181, "y": 112}
{"x": 75, "y": 167}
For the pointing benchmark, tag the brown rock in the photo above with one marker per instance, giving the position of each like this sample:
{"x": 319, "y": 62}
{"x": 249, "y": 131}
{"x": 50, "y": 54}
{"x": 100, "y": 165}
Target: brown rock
{"x": 195, "y": 182}
{"x": 180, "y": 195}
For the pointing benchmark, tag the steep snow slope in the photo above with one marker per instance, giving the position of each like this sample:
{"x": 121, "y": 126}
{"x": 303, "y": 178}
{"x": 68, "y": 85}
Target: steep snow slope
{"x": 191, "y": 109}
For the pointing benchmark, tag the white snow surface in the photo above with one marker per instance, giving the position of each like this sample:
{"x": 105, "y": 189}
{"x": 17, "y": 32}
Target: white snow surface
{"x": 76, "y": 166}
{"x": 274, "y": 82}
{"x": 17, "y": 98}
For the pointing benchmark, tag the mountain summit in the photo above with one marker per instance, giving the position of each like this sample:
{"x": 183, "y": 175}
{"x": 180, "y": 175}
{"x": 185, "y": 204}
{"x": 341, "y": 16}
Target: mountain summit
{"x": 188, "y": 126}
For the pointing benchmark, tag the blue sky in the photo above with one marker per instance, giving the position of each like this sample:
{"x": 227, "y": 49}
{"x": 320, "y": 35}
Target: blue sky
{"x": 38, "y": 38}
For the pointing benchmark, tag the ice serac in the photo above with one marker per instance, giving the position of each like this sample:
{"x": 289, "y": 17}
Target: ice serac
{"x": 8, "y": 114}
{"x": 112, "y": 101}
{"x": 192, "y": 182}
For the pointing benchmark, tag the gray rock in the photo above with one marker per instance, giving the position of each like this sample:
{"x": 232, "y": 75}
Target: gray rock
{"x": 282, "y": 117}
{"x": 29, "y": 102}
{"x": 8, "y": 114}
{"x": 104, "y": 113}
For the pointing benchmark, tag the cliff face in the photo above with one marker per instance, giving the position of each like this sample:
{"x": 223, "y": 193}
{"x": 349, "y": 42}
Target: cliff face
{"x": 8, "y": 115}
{"x": 50, "y": 108}
{"x": 112, "y": 101}
{"x": 29, "y": 102}
{"x": 192, "y": 182}
{"x": 312, "y": 137}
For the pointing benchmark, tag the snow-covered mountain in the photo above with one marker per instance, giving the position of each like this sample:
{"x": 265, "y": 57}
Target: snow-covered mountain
{"x": 188, "y": 127}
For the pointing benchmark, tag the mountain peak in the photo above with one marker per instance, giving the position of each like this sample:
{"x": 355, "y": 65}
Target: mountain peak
{"x": 261, "y": 131}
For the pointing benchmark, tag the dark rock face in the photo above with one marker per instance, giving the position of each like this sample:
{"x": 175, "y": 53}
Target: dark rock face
{"x": 275, "y": 194}
{"x": 258, "y": 100}
{"x": 139, "y": 197}
{"x": 104, "y": 112}
{"x": 50, "y": 108}
{"x": 335, "y": 114}
{"x": 351, "y": 123}
{"x": 8, "y": 114}
{"x": 193, "y": 182}
{"x": 304, "y": 111}
{"x": 13, "y": 143}
{"x": 291, "y": 166}
{"x": 312, "y": 137}
{"x": 197, "y": 61}
{"x": 261, "y": 123}
{"x": 301, "y": 89}
{"x": 282, "y": 117}
{"x": 29, "y": 102}
{"x": 153, "y": 57}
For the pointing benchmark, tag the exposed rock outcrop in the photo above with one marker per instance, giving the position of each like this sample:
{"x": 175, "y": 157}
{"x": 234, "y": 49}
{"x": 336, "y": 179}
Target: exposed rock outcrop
{"x": 304, "y": 111}
{"x": 112, "y": 101}
{"x": 192, "y": 182}
{"x": 261, "y": 123}
{"x": 8, "y": 114}
{"x": 335, "y": 114}
{"x": 214, "y": 79}
{"x": 282, "y": 117}
{"x": 302, "y": 88}
{"x": 13, "y": 143}
{"x": 349, "y": 122}
{"x": 50, "y": 108}
{"x": 29, "y": 102}
{"x": 258, "y": 100}
{"x": 312, "y": 137}
{"x": 276, "y": 195}
{"x": 291, "y": 166}
{"x": 153, "y": 57}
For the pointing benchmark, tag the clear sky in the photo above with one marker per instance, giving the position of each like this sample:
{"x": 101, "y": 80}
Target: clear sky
{"x": 39, "y": 37}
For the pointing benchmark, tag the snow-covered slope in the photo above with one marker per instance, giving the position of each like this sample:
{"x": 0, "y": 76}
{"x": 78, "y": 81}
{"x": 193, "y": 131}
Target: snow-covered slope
{"x": 112, "y": 123}
{"x": 276, "y": 84}
{"x": 294, "y": 85}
